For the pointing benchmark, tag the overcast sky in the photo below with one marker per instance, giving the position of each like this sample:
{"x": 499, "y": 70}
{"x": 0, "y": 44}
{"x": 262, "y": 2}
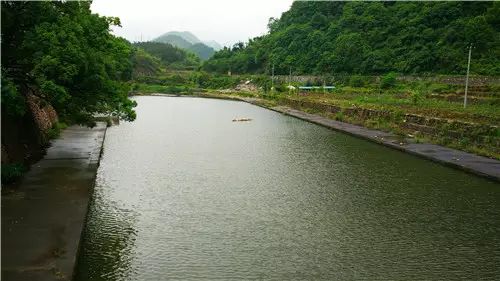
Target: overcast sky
{"x": 225, "y": 21}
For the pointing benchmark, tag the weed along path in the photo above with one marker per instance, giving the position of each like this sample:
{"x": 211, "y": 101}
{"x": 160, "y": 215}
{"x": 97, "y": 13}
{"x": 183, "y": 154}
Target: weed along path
{"x": 185, "y": 193}
{"x": 42, "y": 220}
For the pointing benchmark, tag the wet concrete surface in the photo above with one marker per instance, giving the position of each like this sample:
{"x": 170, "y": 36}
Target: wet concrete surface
{"x": 469, "y": 162}
{"x": 43, "y": 218}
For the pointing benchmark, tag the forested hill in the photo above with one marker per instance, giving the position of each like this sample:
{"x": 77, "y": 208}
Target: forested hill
{"x": 372, "y": 38}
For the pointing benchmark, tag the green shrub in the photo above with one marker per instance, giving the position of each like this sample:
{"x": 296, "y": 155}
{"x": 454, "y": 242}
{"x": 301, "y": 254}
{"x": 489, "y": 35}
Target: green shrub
{"x": 280, "y": 88}
{"x": 389, "y": 80}
{"x": 356, "y": 81}
{"x": 208, "y": 81}
{"x": 12, "y": 172}
{"x": 56, "y": 129}
{"x": 416, "y": 96}
{"x": 12, "y": 101}
{"x": 339, "y": 116}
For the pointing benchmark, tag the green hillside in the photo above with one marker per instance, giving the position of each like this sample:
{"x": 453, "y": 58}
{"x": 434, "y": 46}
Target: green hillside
{"x": 202, "y": 50}
{"x": 372, "y": 38}
{"x": 145, "y": 64}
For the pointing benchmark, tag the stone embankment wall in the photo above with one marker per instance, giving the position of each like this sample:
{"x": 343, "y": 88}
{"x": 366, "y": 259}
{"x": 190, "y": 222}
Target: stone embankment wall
{"x": 451, "y": 80}
{"x": 24, "y": 139}
{"x": 482, "y": 135}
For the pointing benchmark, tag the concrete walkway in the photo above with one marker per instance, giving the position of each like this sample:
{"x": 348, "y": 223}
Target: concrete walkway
{"x": 43, "y": 219}
{"x": 469, "y": 162}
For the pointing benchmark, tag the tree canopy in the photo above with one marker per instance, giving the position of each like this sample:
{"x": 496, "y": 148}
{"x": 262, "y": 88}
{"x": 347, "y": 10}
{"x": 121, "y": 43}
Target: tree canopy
{"x": 66, "y": 55}
{"x": 371, "y": 38}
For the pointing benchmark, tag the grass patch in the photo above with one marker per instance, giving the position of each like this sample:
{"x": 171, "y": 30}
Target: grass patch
{"x": 12, "y": 172}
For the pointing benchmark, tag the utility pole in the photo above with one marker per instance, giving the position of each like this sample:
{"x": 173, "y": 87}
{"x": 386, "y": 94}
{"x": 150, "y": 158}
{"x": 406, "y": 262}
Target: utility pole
{"x": 467, "y": 77}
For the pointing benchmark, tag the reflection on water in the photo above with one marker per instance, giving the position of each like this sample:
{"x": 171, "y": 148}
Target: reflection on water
{"x": 108, "y": 240}
{"x": 185, "y": 193}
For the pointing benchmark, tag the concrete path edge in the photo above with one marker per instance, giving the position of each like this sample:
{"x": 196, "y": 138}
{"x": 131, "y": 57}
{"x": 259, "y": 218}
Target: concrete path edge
{"x": 43, "y": 219}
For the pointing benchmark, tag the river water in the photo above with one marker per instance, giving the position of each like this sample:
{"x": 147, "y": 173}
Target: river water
{"x": 184, "y": 193}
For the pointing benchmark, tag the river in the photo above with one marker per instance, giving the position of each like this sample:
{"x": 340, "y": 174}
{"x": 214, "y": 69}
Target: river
{"x": 184, "y": 193}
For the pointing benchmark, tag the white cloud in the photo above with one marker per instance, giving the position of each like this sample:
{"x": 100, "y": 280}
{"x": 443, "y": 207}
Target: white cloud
{"x": 226, "y": 21}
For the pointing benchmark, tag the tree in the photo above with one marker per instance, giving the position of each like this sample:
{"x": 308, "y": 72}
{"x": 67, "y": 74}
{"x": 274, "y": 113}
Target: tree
{"x": 67, "y": 56}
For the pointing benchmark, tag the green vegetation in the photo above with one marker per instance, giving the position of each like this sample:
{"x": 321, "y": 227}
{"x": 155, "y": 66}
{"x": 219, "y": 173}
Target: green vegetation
{"x": 64, "y": 54}
{"x": 388, "y": 80}
{"x": 56, "y": 129}
{"x": 202, "y": 50}
{"x": 326, "y": 37}
{"x": 145, "y": 64}
{"x": 12, "y": 172}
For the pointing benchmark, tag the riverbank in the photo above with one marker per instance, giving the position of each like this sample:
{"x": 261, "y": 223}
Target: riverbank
{"x": 476, "y": 164}
{"x": 43, "y": 218}
{"x": 472, "y": 163}
{"x": 469, "y": 162}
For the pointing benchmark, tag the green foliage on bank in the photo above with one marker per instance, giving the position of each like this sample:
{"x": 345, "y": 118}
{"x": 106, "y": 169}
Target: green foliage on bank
{"x": 12, "y": 172}
{"x": 13, "y": 103}
{"x": 66, "y": 55}
{"x": 56, "y": 130}
{"x": 145, "y": 64}
{"x": 321, "y": 37}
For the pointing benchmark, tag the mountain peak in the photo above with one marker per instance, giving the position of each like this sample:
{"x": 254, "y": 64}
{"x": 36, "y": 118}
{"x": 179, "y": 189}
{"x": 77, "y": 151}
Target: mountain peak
{"x": 188, "y": 41}
{"x": 186, "y": 35}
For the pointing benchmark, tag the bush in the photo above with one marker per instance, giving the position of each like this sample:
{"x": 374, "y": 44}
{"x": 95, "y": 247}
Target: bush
{"x": 416, "y": 96}
{"x": 12, "y": 172}
{"x": 56, "y": 129}
{"x": 389, "y": 80}
{"x": 208, "y": 81}
{"x": 280, "y": 88}
{"x": 339, "y": 116}
{"x": 356, "y": 81}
